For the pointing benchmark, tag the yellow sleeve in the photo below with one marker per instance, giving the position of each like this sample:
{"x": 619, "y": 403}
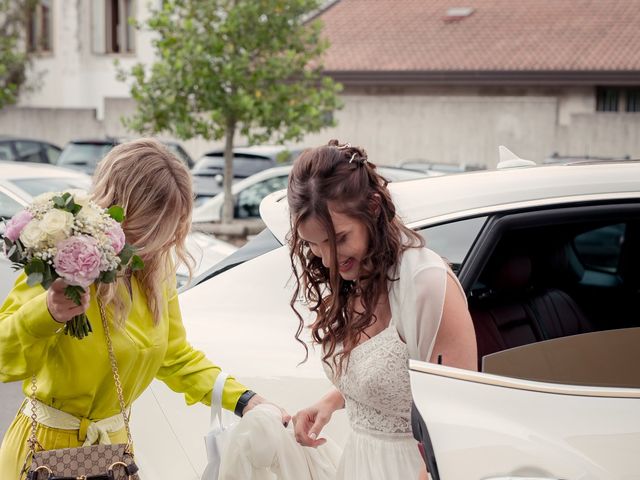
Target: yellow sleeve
{"x": 27, "y": 330}
{"x": 187, "y": 370}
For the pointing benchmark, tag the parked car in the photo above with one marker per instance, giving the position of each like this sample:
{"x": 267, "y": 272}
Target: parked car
{"x": 19, "y": 149}
{"x": 248, "y": 193}
{"x": 436, "y": 169}
{"x": 207, "y": 251}
{"x": 559, "y": 391}
{"x": 84, "y": 154}
{"x": 208, "y": 172}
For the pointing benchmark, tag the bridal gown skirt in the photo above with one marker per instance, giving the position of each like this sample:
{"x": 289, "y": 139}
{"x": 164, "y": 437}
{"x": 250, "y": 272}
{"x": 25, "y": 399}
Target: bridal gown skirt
{"x": 375, "y": 456}
{"x": 260, "y": 448}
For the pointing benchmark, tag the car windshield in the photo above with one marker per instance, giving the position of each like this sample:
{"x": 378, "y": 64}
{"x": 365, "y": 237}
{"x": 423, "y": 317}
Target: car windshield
{"x": 36, "y": 186}
{"x": 83, "y": 153}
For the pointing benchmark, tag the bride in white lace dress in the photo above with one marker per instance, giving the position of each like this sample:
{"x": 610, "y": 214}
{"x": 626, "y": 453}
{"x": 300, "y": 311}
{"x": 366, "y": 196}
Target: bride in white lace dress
{"x": 379, "y": 298}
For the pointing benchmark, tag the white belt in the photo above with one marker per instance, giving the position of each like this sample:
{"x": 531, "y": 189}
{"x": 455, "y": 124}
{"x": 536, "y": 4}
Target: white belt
{"x": 88, "y": 430}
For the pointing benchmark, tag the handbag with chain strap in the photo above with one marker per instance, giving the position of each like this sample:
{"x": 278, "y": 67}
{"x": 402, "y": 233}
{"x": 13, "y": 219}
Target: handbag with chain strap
{"x": 94, "y": 462}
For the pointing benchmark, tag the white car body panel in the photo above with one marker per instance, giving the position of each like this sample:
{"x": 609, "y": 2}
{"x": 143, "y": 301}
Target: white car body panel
{"x": 485, "y": 426}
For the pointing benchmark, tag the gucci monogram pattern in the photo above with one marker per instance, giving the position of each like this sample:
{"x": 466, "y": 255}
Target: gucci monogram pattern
{"x": 83, "y": 461}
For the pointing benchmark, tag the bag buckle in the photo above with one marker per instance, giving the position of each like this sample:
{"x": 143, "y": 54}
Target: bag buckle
{"x": 33, "y": 475}
{"x": 129, "y": 470}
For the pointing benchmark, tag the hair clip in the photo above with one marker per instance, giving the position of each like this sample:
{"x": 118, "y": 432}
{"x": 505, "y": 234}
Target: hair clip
{"x": 352, "y": 157}
{"x": 343, "y": 147}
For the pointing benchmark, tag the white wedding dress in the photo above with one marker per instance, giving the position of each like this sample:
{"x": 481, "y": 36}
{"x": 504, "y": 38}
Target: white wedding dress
{"x": 377, "y": 392}
{"x": 377, "y": 395}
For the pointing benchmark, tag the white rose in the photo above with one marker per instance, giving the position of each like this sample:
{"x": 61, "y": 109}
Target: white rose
{"x": 80, "y": 197}
{"x": 56, "y": 224}
{"x": 32, "y": 236}
{"x": 90, "y": 215}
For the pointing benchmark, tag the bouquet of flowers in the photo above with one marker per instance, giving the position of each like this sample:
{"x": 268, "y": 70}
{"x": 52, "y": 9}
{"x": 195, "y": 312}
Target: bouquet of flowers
{"x": 66, "y": 235}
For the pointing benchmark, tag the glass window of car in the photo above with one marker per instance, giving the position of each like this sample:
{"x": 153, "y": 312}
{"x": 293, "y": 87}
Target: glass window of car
{"x": 6, "y": 152}
{"x": 29, "y": 151}
{"x": 36, "y": 186}
{"x": 453, "y": 240}
{"x": 84, "y": 153}
{"x": 599, "y": 249}
{"x": 8, "y": 206}
{"x": 180, "y": 152}
{"x": 249, "y": 199}
{"x": 52, "y": 153}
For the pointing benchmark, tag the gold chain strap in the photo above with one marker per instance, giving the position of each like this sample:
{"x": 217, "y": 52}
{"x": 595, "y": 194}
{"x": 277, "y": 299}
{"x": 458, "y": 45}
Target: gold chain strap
{"x": 33, "y": 440}
{"x": 116, "y": 376}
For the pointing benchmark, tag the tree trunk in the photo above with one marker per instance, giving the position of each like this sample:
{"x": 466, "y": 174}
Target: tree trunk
{"x": 227, "y": 209}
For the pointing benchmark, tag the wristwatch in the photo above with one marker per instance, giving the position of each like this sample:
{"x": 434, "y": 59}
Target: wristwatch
{"x": 243, "y": 402}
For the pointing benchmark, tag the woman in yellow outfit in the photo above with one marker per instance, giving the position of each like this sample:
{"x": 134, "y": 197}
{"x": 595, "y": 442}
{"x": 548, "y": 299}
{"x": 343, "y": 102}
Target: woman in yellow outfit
{"x": 74, "y": 377}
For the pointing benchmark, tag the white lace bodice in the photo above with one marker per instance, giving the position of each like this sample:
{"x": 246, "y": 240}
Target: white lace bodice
{"x": 376, "y": 385}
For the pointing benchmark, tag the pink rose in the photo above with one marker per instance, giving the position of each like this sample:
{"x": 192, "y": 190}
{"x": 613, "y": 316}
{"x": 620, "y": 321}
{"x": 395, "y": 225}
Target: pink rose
{"x": 116, "y": 236}
{"x": 78, "y": 260}
{"x": 17, "y": 224}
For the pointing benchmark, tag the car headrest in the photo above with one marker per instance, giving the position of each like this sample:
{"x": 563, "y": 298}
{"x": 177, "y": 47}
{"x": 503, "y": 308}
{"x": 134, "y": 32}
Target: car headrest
{"x": 560, "y": 266}
{"x": 511, "y": 273}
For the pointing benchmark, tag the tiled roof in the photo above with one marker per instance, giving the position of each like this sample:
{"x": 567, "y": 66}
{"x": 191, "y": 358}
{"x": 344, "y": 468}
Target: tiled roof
{"x": 499, "y": 35}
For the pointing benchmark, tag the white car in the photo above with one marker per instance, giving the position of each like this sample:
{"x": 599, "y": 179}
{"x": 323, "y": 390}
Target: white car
{"x": 249, "y": 192}
{"x": 549, "y": 259}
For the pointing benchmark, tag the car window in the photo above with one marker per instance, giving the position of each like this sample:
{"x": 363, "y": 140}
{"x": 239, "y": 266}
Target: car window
{"x": 52, "y": 154}
{"x": 6, "y": 153}
{"x": 36, "y": 186}
{"x": 83, "y": 153}
{"x": 8, "y": 206}
{"x": 453, "y": 240}
{"x": 249, "y": 199}
{"x": 180, "y": 152}
{"x": 599, "y": 249}
{"x": 28, "y": 151}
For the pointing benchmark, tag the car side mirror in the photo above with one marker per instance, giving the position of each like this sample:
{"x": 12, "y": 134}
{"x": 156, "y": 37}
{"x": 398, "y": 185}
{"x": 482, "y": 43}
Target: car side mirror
{"x": 219, "y": 178}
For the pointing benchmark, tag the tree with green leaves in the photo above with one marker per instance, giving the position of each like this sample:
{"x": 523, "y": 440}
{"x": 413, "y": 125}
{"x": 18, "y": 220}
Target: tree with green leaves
{"x": 225, "y": 67}
{"x": 14, "y": 58}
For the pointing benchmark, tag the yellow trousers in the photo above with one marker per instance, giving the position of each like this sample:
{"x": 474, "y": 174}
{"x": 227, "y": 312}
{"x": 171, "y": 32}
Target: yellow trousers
{"x": 15, "y": 448}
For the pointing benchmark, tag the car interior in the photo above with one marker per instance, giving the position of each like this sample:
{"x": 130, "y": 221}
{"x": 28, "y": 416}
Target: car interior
{"x": 556, "y": 280}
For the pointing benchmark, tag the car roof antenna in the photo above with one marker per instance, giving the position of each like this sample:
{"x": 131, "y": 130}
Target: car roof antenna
{"x": 508, "y": 159}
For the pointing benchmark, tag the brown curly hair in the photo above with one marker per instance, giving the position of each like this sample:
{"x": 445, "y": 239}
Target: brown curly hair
{"x": 340, "y": 178}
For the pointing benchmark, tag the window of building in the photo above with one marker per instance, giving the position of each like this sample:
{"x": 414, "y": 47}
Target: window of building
{"x": 111, "y": 30}
{"x": 39, "y": 28}
{"x": 607, "y": 99}
{"x": 633, "y": 100}
{"x": 614, "y": 99}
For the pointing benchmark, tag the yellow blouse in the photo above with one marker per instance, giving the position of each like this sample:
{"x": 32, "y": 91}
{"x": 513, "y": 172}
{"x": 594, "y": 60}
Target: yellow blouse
{"x": 75, "y": 375}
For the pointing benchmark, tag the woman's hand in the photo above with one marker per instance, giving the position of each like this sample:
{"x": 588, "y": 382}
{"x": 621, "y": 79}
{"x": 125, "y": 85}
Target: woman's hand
{"x": 257, "y": 400}
{"x": 61, "y": 308}
{"x": 309, "y": 422}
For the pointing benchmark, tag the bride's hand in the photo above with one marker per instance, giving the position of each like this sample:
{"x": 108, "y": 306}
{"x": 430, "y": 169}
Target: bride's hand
{"x": 309, "y": 422}
{"x": 257, "y": 400}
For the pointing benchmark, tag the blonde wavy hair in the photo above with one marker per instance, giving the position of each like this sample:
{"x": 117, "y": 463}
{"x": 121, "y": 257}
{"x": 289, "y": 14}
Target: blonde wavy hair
{"x": 154, "y": 188}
